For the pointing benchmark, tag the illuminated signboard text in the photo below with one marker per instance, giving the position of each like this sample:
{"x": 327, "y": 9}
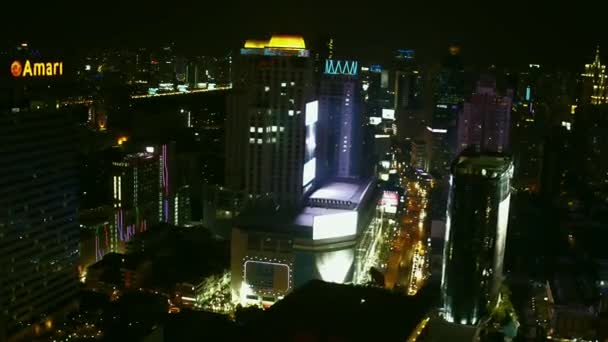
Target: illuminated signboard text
{"x": 35, "y": 69}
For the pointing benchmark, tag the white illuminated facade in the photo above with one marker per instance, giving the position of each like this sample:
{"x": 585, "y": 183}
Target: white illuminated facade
{"x": 388, "y": 114}
{"x": 334, "y": 225}
{"x": 272, "y": 257}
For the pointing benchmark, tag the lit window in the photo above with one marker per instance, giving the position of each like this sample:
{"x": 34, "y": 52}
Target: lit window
{"x": 251, "y": 140}
{"x": 260, "y": 129}
{"x": 252, "y": 129}
{"x": 290, "y": 112}
{"x": 266, "y": 88}
{"x": 283, "y": 84}
{"x": 274, "y": 128}
{"x": 260, "y": 141}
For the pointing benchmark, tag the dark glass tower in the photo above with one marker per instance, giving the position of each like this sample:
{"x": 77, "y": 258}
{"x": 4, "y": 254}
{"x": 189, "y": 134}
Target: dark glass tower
{"x": 340, "y": 120}
{"x": 476, "y": 230}
{"x": 39, "y": 233}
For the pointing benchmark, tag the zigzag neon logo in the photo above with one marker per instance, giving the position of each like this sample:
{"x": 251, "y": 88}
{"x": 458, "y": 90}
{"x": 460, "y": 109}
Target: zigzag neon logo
{"x": 334, "y": 67}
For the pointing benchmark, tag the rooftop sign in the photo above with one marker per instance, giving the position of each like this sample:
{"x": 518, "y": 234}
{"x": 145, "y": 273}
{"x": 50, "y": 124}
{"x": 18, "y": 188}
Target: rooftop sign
{"x": 336, "y": 67}
{"x": 36, "y": 69}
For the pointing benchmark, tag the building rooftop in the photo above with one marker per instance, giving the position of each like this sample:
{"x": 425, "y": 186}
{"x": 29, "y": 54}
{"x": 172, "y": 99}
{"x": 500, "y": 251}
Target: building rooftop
{"x": 308, "y": 214}
{"x": 490, "y": 165}
{"x": 340, "y": 194}
{"x": 320, "y": 311}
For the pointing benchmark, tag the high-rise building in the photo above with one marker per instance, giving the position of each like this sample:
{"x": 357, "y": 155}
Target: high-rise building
{"x": 39, "y": 232}
{"x": 340, "y": 119}
{"x": 408, "y": 100}
{"x": 138, "y": 201}
{"x": 448, "y": 99}
{"x": 408, "y": 81}
{"x": 485, "y": 120}
{"x": 266, "y": 126}
{"x": 595, "y": 85}
{"x": 476, "y": 232}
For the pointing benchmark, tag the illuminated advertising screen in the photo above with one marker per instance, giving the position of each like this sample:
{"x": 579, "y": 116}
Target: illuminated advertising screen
{"x": 334, "y": 225}
{"x": 388, "y": 114}
{"x": 374, "y": 120}
{"x": 267, "y": 275}
{"x": 390, "y": 200}
{"x": 310, "y": 169}
{"x": 310, "y": 163}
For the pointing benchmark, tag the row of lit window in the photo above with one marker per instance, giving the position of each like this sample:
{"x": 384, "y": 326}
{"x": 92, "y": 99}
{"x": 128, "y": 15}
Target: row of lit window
{"x": 267, "y": 129}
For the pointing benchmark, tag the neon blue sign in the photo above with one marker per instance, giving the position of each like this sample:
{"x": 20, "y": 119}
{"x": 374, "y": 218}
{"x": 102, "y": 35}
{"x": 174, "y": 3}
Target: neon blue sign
{"x": 375, "y": 68}
{"x": 335, "y": 67}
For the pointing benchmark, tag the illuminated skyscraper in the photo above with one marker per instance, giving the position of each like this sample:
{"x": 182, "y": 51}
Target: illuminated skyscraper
{"x": 39, "y": 232}
{"x": 486, "y": 119}
{"x": 266, "y": 126}
{"x": 476, "y": 232}
{"x": 595, "y": 85}
{"x": 138, "y": 201}
{"x": 340, "y": 119}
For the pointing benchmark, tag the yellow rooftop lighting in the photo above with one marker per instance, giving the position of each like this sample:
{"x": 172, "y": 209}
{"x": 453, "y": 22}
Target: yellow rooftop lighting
{"x": 285, "y": 41}
{"x": 255, "y": 44}
{"x": 277, "y": 42}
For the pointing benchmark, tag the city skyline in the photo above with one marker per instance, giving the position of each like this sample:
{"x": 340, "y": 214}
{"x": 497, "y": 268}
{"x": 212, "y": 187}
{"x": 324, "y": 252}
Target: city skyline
{"x": 281, "y": 170}
{"x": 537, "y": 32}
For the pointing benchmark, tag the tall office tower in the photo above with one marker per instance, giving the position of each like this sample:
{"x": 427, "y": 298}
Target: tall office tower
{"x": 590, "y": 141}
{"x": 476, "y": 232}
{"x": 595, "y": 85}
{"x": 162, "y": 66}
{"x": 484, "y": 124}
{"x": 408, "y": 81}
{"x": 138, "y": 201}
{"x": 265, "y": 137}
{"x": 39, "y": 232}
{"x": 168, "y": 188}
{"x": 448, "y": 98}
{"x": 408, "y": 95}
{"x": 340, "y": 119}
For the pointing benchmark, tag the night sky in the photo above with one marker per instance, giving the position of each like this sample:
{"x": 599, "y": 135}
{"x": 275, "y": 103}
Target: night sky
{"x": 501, "y": 32}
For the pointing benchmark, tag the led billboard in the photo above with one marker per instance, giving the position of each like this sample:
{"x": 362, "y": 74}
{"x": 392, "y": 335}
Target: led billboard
{"x": 374, "y": 120}
{"x": 310, "y": 169}
{"x": 310, "y": 163}
{"x": 334, "y": 225}
{"x": 267, "y": 275}
{"x": 388, "y": 114}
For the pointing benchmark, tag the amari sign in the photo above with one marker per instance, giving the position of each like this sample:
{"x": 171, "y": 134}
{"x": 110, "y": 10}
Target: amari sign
{"x": 36, "y": 69}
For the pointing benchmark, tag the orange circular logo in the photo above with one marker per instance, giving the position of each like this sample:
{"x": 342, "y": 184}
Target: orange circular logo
{"x": 16, "y": 69}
